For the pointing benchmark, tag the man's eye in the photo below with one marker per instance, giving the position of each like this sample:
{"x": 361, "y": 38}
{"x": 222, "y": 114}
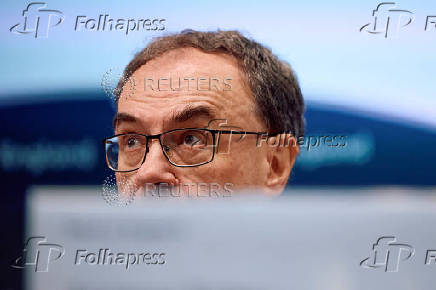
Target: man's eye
{"x": 192, "y": 140}
{"x": 132, "y": 142}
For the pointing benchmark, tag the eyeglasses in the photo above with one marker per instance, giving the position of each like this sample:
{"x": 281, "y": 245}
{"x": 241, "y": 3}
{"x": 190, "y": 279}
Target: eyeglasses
{"x": 188, "y": 147}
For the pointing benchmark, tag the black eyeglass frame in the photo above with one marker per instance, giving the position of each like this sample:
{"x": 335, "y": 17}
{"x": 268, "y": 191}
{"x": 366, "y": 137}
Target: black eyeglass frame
{"x": 157, "y": 136}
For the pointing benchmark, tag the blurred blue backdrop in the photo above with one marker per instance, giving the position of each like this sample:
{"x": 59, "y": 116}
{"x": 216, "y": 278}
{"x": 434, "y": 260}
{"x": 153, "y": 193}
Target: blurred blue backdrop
{"x": 376, "y": 90}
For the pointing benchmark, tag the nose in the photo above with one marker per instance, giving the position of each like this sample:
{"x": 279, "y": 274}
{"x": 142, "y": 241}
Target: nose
{"x": 155, "y": 169}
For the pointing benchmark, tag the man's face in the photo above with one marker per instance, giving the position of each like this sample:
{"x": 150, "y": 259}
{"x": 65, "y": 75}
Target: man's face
{"x": 226, "y": 103}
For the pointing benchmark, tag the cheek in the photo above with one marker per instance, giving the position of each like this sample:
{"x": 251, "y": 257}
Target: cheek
{"x": 125, "y": 184}
{"x": 230, "y": 168}
{"x": 248, "y": 167}
{"x": 205, "y": 173}
{"x": 242, "y": 168}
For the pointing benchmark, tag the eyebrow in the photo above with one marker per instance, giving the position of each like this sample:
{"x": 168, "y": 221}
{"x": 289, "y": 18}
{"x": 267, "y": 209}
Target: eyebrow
{"x": 186, "y": 114}
{"x": 123, "y": 117}
{"x": 190, "y": 112}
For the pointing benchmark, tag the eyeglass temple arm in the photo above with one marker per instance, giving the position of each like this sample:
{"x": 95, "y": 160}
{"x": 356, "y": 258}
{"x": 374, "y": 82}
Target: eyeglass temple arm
{"x": 245, "y": 132}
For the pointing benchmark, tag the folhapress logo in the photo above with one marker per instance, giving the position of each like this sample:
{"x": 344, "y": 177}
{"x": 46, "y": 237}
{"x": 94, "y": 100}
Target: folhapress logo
{"x": 388, "y": 20}
{"x": 39, "y": 254}
{"x": 38, "y": 20}
{"x": 387, "y": 254}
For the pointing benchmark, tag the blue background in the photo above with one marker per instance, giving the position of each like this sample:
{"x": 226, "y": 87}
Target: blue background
{"x": 379, "y": 92}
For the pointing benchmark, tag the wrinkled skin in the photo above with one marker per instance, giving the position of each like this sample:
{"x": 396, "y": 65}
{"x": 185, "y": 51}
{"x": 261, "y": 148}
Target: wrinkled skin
{"x": 239, "y": 163}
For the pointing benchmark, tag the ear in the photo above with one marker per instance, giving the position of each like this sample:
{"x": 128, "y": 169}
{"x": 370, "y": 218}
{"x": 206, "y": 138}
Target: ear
{"x": 281, "y": 158}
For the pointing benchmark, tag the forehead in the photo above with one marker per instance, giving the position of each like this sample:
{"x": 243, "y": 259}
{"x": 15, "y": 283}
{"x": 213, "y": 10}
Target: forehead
{"x": 188, "y": 77}
{"x": 185, "y": 61}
